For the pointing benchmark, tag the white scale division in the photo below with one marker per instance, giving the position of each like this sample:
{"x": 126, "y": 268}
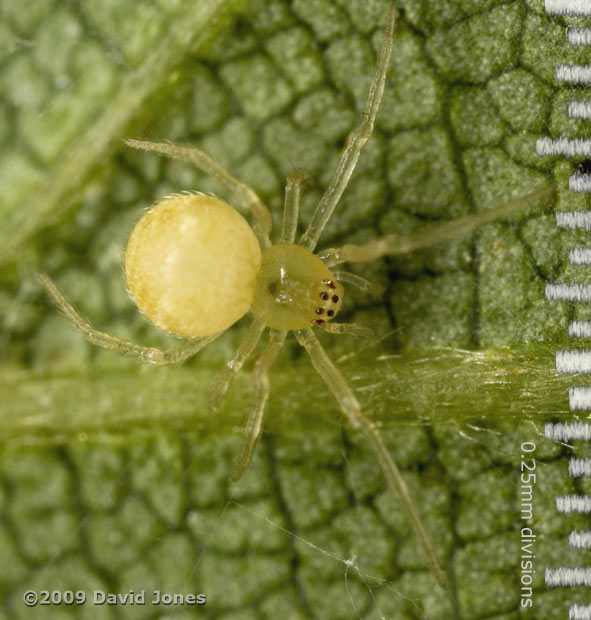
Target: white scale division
{"x": 575, "y": 361}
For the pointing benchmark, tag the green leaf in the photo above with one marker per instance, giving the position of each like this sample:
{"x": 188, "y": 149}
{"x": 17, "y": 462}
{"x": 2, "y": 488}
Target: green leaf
{"x": 115, "y": 476}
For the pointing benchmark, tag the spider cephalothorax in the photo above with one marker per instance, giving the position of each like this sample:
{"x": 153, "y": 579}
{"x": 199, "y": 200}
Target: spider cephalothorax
{"x": 295, "y": 289}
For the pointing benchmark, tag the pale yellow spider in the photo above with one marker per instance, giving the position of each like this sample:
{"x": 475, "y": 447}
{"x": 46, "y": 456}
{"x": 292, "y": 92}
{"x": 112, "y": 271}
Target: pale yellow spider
{"x": 194, "y": 267}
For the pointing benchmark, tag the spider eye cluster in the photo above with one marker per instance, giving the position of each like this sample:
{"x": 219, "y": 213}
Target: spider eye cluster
{"x": 295, "y": 289}
{"x": 329, "y": 299}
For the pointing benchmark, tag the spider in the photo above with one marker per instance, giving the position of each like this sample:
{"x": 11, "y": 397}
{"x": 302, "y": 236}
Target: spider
{"x": 194, "y": 267}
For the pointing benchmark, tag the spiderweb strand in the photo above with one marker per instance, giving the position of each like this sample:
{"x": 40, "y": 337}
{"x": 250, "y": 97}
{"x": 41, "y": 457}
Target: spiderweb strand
{"x": 352, "y": 410}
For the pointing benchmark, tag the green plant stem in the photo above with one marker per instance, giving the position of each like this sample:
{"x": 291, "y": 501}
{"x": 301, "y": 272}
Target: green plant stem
{"x": 442, "y": 386}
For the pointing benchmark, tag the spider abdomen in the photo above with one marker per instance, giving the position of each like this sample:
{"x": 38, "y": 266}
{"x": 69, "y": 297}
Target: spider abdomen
{"x": 191, "y": 265}
{"x": 295, "y": 289}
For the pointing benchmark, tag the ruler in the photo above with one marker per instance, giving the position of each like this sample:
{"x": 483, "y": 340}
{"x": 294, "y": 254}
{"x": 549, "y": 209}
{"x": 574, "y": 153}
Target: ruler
{"x": 573, "y": 361}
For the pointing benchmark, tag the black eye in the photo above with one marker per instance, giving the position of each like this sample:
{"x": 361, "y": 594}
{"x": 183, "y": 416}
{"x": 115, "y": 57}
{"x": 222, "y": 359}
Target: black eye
{"x": 324, "y": 296}
{"x": 319, "y": 310}
{"x": 330, "y": 313}
{"x": 273, "y": 287}
{"x": 317, "y": 322}
{"x": 335, "y": 298}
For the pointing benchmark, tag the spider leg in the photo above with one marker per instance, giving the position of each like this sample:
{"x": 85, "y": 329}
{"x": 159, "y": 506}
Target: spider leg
{"x": 254, "y": 423}
{"x": 246, "y": 196}
{"x": 365, "y": 286}
{"x": 355, "y": 142}
{"x": 291, "y": 208}
{"x": 352, "y": 410}
{"x": 222, "y": 381}
{"x": 351, "y": 329}
{"x": 391, "y": 245}
{"x": 102, "y": 339}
